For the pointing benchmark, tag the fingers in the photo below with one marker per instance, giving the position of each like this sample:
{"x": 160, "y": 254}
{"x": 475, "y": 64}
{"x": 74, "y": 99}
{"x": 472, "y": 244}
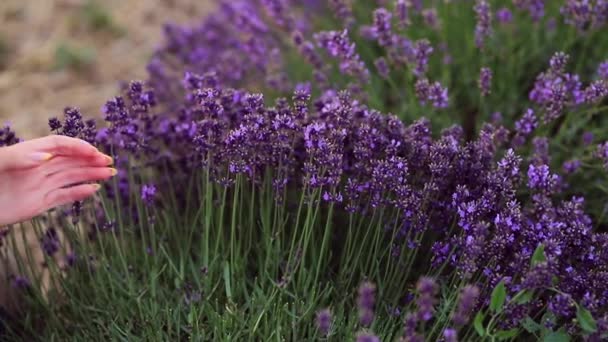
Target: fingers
{"x": 60, "y": 163}
{"x": 32, "y": 153}
{"x": 69, "y": 177}
{"x": 63, "y": 196}
{"x": 64, "y": 146}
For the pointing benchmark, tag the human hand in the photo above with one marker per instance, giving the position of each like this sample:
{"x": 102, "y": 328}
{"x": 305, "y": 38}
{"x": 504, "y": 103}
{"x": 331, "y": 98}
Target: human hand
{"x": 40, "y": 174}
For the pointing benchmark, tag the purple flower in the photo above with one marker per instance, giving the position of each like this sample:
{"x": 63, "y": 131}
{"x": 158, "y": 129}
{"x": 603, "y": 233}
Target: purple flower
{"x": 427, "y": 291}
{"x": 540, "y": 178}
{"x": 602, "y": 152}
{"x": 466, "y": 303}
{"x": 431, "y": 92}
{"x": 366, "y": 337}
{"x": 382, "y": 67}
{"x": 422, "y": 51}
{"x": 148, "y": 194}
{"x": 483, "y": 28}
{"x": 602, "y": 70}
{"x": 402, "y": 11}
{"x": 587, "y": 138}
{"x": 338, "y": 45}
{"x": 366, "y": 302}
{"x": 382, "y": 27}
{"x": 323, "y": 321}
{"x": 526, "y": 124}
{"x": 450, "y": 335}
{"x": 50, "y": 242}
{"x": 571, "y": 166}
{"x": 21, "y": 282}
{"x": 485, "y": 81}
{"x": 7, "y": 136}
{"x": 536, "y": 8}
{"x": 504, "y": 15}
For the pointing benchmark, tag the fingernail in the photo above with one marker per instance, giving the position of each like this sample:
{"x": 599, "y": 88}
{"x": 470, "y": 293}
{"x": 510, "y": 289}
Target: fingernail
{"x": 41, "y": 156}
{"x": 109, "y": 159}
{"x": 113, "y": 171}
{"x": 96, "y": 187}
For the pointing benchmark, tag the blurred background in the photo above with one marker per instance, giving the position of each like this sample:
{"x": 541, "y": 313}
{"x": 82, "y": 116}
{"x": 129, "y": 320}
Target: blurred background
{"x": 57, "y": 53}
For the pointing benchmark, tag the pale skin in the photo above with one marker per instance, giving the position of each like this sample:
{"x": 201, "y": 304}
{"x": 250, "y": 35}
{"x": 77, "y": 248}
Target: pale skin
{"x": 40, "y": 174}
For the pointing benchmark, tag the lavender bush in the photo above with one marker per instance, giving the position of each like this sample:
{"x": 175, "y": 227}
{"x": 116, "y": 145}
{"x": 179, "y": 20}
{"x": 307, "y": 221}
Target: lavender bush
{"x": 342, "y": 171}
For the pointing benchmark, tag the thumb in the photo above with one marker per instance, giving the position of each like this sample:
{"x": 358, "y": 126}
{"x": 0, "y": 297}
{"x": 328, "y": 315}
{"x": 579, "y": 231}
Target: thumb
{"x": 15, "y": 157}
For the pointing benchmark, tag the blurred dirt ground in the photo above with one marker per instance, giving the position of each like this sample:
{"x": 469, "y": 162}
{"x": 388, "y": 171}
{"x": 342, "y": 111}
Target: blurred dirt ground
{"x": 55, "y": 53}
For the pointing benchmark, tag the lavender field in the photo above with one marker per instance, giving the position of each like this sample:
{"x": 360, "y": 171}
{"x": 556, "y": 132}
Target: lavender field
{"x": 342, "y": 170}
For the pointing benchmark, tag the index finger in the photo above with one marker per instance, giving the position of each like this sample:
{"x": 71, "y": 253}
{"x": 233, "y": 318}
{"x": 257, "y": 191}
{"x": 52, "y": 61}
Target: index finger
{"x": 64, "y": 146}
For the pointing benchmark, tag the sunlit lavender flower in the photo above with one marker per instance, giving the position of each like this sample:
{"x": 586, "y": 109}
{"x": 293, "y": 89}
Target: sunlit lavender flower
{"x": 483, "y": 28}
{"x": 323, "y": 321}
{"x": 504, "y": 15}
{"x": 485, "y": 81}
{"x": 148, "y": 194}
{"x": 427, "y": 291}
{"x": 466, "y": 304}
{"x": 366, "y": 302}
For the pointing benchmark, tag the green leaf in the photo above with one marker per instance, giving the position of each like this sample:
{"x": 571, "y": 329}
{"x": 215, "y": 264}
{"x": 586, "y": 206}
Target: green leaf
{"x": 556, "y": 336}
{"x": 478, "y": 324}
{"x": 507, "y": 334}
{"x": 585, "y": 320}
{"x": 538, "y": 256}
{"x": 523, "y": 296}
{"x": 530, "y": 325}
{"x": 499, "y": 295}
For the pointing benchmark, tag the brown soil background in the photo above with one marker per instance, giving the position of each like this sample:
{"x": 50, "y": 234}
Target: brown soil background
{"x": 37, "y": 80}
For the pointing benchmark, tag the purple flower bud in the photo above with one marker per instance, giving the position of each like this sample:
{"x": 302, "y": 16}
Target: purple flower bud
{"x": 366, "y": 337}
{"x": 587, "y": 138}
{"x": 323, "y": 321}
{"x": 483, "y": 28}
{"x": 450, "y": 335}
{"x": 485, "y": 81}
{"x": 382, "y": 27}
{"x": 466, "y": 304}
{"x": 571, "y": 166}
{"x": 366, "y": 302}
{"x": 504, "y": 15}
{"x": 602, "y": 70}
{"x": 148, "y": 194}
{"x": 427, "y": 291}
{"x": 382, "y": 67}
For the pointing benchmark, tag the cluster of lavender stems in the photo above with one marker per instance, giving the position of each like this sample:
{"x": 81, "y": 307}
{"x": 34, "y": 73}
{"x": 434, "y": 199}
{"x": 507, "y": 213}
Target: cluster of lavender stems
{"x": 473, "y": 209}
